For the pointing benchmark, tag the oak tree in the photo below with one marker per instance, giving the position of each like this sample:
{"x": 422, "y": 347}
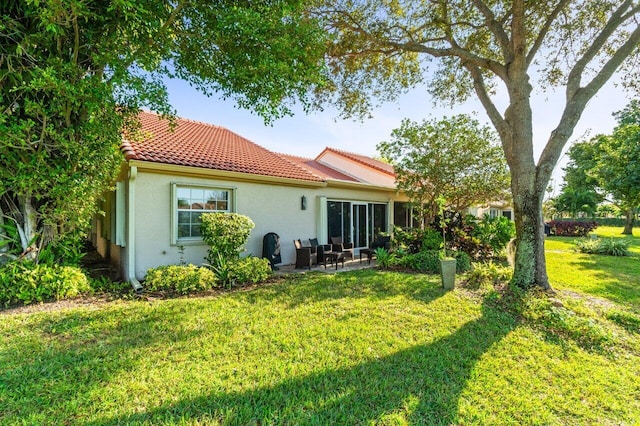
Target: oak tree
{"x": 461, "y": 48}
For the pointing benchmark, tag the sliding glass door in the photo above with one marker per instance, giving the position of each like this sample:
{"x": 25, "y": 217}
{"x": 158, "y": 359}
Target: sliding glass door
{"x": 360, "y": 225}
{"x": 356, "y": 222}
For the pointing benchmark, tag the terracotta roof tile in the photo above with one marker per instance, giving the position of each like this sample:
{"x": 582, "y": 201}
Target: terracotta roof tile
{"x": 318, "y": 169}
{"x": 197, "y": 144}
{"x": 363, "y": 159}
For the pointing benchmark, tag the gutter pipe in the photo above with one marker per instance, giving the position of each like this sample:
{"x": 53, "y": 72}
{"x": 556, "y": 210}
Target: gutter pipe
{"x": 131, "y": 234}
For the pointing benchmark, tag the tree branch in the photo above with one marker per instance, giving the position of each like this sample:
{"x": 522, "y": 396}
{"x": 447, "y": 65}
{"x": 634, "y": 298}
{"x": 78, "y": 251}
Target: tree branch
{"x": 496, "y": 28}
{"x": 494, "y": 115}
{"x": 577, "y": 102}
{"x": 545, "y": 30}
{"x": 497, "y": 68}
{"x": 575, "y": 76}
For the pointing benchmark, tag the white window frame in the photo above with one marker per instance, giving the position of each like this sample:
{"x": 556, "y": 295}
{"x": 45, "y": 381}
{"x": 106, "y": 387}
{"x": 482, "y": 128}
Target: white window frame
{"x": 231, "y": 207}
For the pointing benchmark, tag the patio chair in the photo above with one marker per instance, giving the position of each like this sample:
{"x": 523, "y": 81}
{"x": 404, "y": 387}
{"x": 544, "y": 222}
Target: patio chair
{"x": 380, "y": 242}
{"x": 305, "y": 255}
{"x": 320, "y": 249}
{"x": 345, "y": 248}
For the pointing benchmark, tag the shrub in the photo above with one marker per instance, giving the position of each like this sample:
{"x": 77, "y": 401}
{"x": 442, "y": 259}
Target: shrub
{"x": 250, "y": 270}
{"x": 488, "y": 274}
{"x": 383, "y": 258}
{"x": 614, "y": 247}
{"x": 463, "y": 260}
{"x": 427, "y": 261}
{"x": 415, "y": 240}
{"x": 588, "y": 246}
{"x": 606, "y": 246}
{"x": 181, "y": 279}
{"x": 225, "y": 233}
{"x": 28, "y": 283}
{"x": 67, "y": 249}
{"x": 106, "y": 285}
{"x": 495, "y": 232}
{"x": 572, "y": 228}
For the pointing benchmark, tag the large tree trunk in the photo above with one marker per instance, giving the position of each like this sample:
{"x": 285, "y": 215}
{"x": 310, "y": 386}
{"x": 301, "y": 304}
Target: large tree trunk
{"x": 629, "y": 219}
{"x": 530, "y": 264}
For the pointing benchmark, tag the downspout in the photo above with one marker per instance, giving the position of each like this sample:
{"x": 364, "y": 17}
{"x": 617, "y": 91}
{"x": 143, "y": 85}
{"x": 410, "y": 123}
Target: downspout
{"x": 131, "y": 231}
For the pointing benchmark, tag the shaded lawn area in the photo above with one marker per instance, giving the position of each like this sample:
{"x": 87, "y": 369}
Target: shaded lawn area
{"x": 614, "y": 278}
{"x": 351, "y": 348}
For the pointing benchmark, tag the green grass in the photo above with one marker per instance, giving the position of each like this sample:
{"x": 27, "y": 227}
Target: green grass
{"x": 351, "y": 348}
{"x": 614, "y": 278}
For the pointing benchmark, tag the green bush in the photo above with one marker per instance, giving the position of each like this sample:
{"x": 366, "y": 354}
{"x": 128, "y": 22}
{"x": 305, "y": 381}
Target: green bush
{"x": 415, "y": 240}
{"x": 605, "y": 246}
{"x": 250, "y": 270}
{"x": 488, "y": 275}
{"x": 427, "y": 261}
{"x": 68, "y": 249}
{"x": 495, "y": 232}
{"x": 384, "y": 259}
{"x": 181, "y": 279}
{"x": 26, "y": 282}
{"x": 107, "y": 285}
{"x": 463, "y": 261}
{"x": 225, "y": 233}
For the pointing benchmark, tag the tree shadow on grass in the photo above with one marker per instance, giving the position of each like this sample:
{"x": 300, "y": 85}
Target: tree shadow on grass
{"x": 72, "y": 353}
{"x": 618, "y": 278}
{"x": 422, "y": 384}
{"x": 371, "y": 284}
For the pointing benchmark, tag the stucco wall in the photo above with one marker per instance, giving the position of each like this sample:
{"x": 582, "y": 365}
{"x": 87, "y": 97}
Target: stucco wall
{"x": 357, "y": 170}
{"x": 272, "y": 208}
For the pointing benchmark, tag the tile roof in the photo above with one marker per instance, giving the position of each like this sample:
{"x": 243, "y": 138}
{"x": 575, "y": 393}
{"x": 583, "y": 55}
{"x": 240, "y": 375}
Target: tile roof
{"x": 319, "y": 169}
{"x": 197, "y": 144}
{"x": 362, "y": 159}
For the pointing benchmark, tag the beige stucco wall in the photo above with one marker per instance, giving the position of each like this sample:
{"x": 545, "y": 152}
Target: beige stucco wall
{"x": 356, "y": 169}
{"x": 273, "y": 208}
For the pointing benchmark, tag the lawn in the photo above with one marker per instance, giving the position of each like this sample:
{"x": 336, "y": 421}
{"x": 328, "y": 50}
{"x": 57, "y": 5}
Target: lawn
{"x": 614, "y": 278}
{"x": 362, "y": 347}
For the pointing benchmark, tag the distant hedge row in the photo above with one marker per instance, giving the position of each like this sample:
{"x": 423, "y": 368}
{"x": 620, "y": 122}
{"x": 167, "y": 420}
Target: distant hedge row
{"x": 573, "y": 228}
{"x": 601, "y": 221}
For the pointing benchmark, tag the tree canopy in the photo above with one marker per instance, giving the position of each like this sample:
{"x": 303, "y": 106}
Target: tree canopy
{"x": 455, "y": 158}
{"x": 609, "y": 164}
{"x": 484, "y": 48}
{"x": 73, "y": 74}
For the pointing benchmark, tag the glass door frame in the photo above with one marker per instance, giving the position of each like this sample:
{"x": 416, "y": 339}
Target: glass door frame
{"x": 357, "y": 207}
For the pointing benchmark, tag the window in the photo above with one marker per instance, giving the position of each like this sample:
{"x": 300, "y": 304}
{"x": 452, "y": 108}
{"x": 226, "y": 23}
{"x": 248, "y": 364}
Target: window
{"x": 493, "y": 213}
{"x": 191, "y": 202}
{"x": 401, "y": 214}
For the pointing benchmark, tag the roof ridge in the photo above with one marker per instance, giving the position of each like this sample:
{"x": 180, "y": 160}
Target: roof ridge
{"x": 190, "y": 120}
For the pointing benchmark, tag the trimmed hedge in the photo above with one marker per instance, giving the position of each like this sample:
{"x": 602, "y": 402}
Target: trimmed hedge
{"x": 25, "y": 282}
{"x": 574, "y": 228}
{"x": 181, "y": 279}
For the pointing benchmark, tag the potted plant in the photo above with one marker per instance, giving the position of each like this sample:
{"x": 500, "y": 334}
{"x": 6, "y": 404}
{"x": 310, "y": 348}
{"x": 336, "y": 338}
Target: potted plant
{"x": 447, "y": 264}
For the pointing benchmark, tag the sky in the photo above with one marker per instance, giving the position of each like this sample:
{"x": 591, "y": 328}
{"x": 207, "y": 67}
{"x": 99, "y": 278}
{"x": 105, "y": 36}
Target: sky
{"x": 307, "y": 135}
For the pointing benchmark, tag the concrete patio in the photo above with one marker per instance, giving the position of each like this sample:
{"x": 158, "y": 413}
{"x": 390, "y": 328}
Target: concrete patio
{"x": 349, "y": 265}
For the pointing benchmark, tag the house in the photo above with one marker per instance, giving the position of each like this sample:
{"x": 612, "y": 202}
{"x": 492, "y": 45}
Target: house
{"x": 493, "y": 209}
{"x": 171, "y": 177}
